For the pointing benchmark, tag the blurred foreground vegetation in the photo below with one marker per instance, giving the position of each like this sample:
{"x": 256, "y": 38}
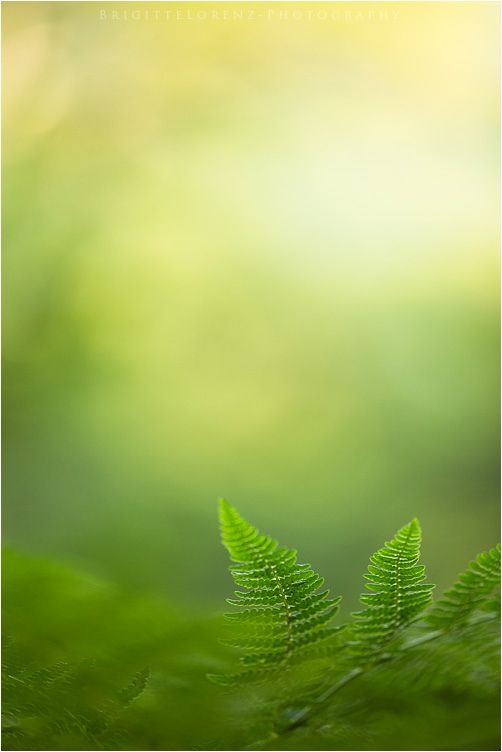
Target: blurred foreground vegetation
{"x": 88, "y": 666}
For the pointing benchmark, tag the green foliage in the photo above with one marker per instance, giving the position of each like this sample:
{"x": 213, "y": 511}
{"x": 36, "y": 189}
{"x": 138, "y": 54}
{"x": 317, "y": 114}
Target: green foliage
{"x": 50, "y": 703}
{"x": 476, "y": 588}
{"x": 399, "y": 653}
{"x": 89, "y": 666}
{"x": 398, "y": 593}
{"x": 285, "y": 614}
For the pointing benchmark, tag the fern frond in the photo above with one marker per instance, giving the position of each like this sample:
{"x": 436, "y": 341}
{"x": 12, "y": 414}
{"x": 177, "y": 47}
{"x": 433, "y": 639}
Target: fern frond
{"x": 476, "y": 588}
{"x": 286, "y": 616}
{"x": 52, "y": 701}
{"x": 135, "y": 688}
{"x": 398, "y": 593}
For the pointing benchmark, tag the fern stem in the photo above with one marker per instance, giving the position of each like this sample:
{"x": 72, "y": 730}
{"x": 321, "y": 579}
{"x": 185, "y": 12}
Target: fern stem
{"x": 276, "y": 578}
{"x": 340, "y": 684}
{"x": 440, "y": 632}
{"x": 307, "y": 712}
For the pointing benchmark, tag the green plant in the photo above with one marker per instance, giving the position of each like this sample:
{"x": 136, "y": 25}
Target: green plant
{"x": 75, "y": 652}
{"x": 285, "y": 617}
{"x": 403, "y": 673}
{"x": 449, "y": 647}
{"x": 60, "y": 703}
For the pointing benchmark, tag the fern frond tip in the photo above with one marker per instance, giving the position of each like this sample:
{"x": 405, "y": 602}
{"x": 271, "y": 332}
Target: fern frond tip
{"x": 223, "y": 505}
{"x": 413, "y": 526}
{"x": 226, "y": 512}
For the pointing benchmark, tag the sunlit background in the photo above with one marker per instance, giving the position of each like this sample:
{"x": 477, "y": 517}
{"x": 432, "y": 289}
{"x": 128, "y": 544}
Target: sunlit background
{"x": 255, "y": 256}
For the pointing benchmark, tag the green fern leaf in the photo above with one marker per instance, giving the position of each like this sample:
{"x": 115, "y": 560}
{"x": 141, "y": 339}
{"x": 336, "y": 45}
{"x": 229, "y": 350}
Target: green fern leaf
{"x": 398, "y": 593}
{"x": 476, "y": 588}
{"x": 284, "y": 615}
{"x": 135, "y": 688}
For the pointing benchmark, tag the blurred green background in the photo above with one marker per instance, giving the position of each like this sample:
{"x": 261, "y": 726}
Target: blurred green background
{"x": 254, "y": 257}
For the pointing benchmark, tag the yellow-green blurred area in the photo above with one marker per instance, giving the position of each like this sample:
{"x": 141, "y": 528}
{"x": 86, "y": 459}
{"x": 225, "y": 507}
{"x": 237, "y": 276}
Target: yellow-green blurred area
{"x": 252, "y": 255}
